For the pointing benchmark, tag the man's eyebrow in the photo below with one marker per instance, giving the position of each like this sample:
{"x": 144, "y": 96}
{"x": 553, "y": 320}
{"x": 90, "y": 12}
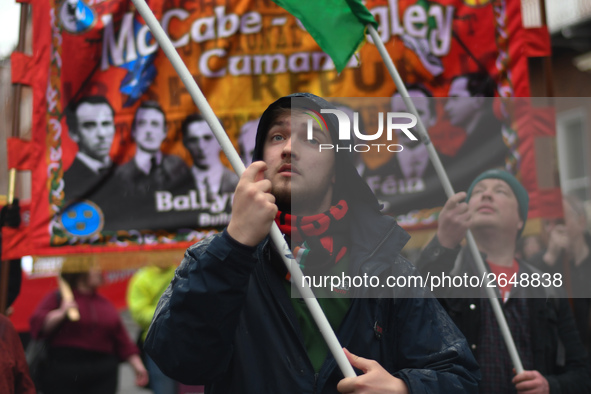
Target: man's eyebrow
{"x": 279, "y": 122}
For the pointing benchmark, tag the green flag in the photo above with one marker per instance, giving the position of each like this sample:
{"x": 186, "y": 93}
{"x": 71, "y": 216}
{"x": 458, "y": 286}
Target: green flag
{"x": 338, "y": 26}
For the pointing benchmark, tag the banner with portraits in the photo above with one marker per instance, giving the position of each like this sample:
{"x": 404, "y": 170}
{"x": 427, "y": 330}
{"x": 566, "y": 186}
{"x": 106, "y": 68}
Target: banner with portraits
{"x": 123, "y": 161}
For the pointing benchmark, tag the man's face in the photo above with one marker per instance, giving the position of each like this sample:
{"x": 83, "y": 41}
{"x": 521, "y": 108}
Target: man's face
{"x": 459, "y": 107}
{"x": 302, "y": 178}
{"x": 494, "y": 205}
{"x": 202, "y": 145}
{"x": 421, "y": 102}
{"x": 149, "y": 129}
{"x": 96, "y": 130}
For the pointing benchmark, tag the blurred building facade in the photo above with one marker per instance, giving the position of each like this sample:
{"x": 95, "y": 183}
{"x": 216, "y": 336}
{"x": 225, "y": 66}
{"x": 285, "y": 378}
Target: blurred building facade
{"x": 567, "y": 78}
{"x": 7, "y": 107}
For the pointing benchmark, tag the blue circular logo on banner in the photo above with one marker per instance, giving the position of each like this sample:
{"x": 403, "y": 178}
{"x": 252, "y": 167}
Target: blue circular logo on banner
{"x": 77, "y": 16}
{"x": 82, "y": 219}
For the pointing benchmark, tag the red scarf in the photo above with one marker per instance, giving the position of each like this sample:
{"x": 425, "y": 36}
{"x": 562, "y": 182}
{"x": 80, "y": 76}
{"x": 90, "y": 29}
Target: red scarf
{"x": 320, "y": 238}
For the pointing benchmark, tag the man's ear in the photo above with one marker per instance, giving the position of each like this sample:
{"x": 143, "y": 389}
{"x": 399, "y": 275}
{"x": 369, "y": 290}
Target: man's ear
{"x": 74, "y": 136}
{"x": 520, "y": 225}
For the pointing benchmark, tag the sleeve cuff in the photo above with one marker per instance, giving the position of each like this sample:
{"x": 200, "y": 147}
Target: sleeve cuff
{"x": 235, "y": 244}
{"x": 435, "y": 250}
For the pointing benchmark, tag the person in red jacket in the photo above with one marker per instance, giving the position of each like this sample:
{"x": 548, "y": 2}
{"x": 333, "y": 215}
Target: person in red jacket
{"x": 84, "y": 355}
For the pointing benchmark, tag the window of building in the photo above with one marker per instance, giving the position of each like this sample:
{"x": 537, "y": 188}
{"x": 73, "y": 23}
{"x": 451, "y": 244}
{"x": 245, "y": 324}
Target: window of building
{"x": 571, "y": 139}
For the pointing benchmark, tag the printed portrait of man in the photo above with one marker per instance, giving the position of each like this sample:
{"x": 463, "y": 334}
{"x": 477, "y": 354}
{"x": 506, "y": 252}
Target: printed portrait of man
{"x": 209, "y": 173}
{"x": 401, "y": 182}
{"x": 150, "y": 169}
{"x": 91, "y": 126}
{"x": 469, "y": 106}
{"x": 414, "y": 159}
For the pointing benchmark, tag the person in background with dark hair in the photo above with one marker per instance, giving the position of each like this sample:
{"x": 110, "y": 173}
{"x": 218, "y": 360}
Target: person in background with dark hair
{"x": 209, "y": 173}
{"x": 91, "y": 125}
{"x": 84, "y": 355}
{"x": 151, "y": 170}
{"x": 569, "y": 253}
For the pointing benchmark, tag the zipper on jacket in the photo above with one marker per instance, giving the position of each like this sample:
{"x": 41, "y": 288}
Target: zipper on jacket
{"x": 315, "y": 382}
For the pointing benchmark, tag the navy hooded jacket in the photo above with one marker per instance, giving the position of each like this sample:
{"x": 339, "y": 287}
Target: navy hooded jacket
{"x": 226, "y": 320}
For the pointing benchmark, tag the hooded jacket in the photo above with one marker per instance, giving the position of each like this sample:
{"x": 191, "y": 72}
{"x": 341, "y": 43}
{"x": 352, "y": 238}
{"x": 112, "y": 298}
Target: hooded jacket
{"x": 226, "y": 320}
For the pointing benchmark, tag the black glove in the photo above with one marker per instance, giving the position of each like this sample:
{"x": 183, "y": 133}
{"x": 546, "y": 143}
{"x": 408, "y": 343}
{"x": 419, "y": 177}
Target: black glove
{"x": 10, "y": 215}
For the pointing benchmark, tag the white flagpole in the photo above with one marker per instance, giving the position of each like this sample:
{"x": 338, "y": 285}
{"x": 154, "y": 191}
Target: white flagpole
{"x": 276, "y": 236}
{"x": 449, "y": 191}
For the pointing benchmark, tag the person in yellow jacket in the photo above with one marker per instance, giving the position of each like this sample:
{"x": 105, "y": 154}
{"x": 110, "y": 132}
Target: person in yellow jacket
{"x": 143, "y": 293}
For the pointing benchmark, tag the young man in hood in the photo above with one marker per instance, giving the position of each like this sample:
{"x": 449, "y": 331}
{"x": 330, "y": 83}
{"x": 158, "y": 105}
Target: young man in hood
{"x": 228, "y": 320}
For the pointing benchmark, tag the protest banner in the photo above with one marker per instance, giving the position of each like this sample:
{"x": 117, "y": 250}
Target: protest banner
{"x": 113, "y": 171}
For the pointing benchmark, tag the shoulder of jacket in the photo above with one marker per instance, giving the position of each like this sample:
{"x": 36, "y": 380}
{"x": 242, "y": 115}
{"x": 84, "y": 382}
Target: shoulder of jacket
{"x": 202, "y": 245}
